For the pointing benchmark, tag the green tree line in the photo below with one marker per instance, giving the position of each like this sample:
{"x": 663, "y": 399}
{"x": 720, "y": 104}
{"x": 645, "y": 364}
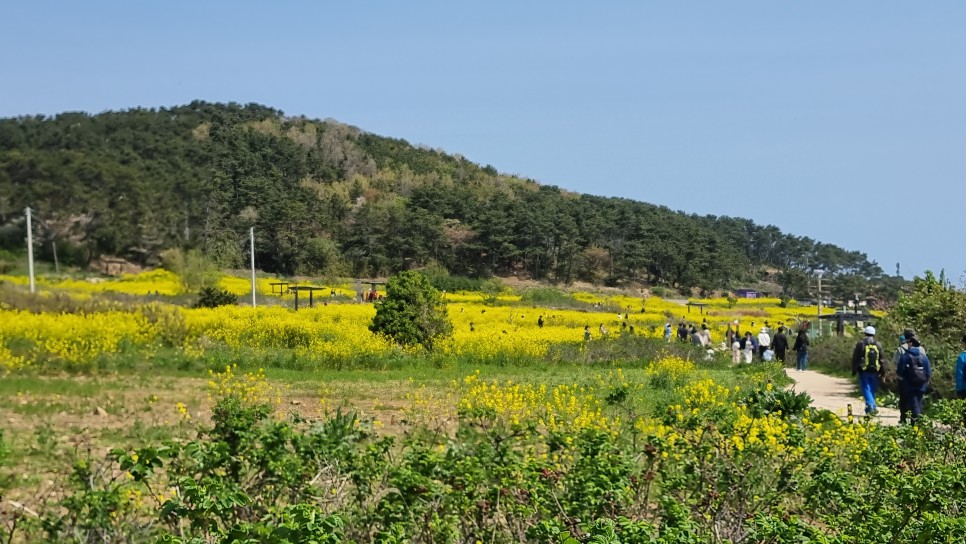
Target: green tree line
{"x": 328, "y": 198}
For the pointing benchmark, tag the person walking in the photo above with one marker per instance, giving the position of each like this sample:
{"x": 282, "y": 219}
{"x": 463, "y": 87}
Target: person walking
{"x": 801, "y": 350}
{"x": 764, "y": 342}
{"x": 667, "y": 332}
{"x": 780, "y": 344}
{"x": 916, "y": 371}
{"x": 867, "y": 363}
{"x": 905, "y": 342}
{"x": 586, "y": 333}
{"x": 696, "y": 339}
{"x": 961, "y": 372}
{"x": 748, "y": 347}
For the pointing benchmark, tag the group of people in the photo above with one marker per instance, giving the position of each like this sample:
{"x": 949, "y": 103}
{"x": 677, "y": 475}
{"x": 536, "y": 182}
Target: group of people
{"x": 690, "y": 333}
{"x": 765, "y": 347}
{"x": 913, "y": 370}
{"x": 746, "y": 347}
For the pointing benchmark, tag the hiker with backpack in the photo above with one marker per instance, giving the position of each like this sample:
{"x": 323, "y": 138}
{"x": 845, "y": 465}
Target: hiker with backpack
{"x": 915, "y": 370}
{"x": 905, "y": 342}
{"x": 867, "y": 363}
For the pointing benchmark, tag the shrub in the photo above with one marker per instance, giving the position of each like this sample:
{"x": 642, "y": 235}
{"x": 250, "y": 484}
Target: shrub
{"x": 546, "y": 296}
{"x": 412, "y": 313}
{"x": 787, "y": 402}
{"x": 663, "y": 292}
{"x": 832, "y": 352}
{"x": 213, "y": 297}
{"x": 194, "y": 268}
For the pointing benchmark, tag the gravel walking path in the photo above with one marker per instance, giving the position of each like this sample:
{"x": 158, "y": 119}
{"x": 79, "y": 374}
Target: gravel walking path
{"x": 836, "y": 394}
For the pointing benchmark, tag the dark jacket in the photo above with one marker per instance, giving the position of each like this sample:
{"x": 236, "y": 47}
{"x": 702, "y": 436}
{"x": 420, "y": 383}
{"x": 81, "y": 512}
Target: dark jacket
{"x": 858, "y": 355}
{"x": 903, "y": 367}
{"x": 779, "y": 343}
{"x": 801, "y": 343}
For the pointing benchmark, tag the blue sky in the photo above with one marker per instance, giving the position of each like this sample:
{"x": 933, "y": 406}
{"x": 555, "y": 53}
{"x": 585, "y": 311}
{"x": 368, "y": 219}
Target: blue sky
{"x": 842, "y": 121}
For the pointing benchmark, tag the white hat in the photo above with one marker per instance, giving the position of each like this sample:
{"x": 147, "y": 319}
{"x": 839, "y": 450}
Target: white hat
{"x": 870, "y": 330}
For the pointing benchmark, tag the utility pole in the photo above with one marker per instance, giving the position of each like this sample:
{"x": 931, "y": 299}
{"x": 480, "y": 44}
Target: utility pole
{"x": 819, "y": 302}
{"x": 30, "y": 251}
{"x": 251, "y": 235}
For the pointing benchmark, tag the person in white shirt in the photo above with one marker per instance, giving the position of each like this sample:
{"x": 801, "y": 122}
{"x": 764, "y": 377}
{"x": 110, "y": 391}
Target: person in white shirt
{"x": 764, "y": 342}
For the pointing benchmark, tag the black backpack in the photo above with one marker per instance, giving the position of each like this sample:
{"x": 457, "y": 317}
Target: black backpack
{"x": 916, "y": 375}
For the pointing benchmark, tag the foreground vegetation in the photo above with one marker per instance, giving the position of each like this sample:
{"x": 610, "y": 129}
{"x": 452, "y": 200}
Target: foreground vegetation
{"x": 667, "y": 453}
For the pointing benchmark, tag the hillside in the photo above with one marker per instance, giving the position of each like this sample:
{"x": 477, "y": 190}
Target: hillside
{"x": 327, "y": 198}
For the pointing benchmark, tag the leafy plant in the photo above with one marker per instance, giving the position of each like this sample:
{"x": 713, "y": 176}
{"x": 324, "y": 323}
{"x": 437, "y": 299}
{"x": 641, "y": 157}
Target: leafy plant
{"x": 212, "y": 297}
{"x": 412, "y": 313}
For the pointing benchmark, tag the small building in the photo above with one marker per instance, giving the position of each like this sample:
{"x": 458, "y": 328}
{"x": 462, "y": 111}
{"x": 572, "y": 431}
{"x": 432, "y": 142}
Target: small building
{"x": 746, "y": 293}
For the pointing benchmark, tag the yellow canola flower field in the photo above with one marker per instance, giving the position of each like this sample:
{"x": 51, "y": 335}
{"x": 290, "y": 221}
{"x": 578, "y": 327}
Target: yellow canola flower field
{"x": 72, "y": 338}
{"x": 563, "y": 408}
{"x": 338, "y": 332}
{"x": 708, "y": 423}
{"x": 154, "y": 282}
{"x": 335, "y": 332}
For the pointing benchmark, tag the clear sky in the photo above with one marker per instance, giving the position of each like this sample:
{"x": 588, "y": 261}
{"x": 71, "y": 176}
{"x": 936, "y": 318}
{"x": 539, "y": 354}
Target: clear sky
{"x": 842, "y": 121}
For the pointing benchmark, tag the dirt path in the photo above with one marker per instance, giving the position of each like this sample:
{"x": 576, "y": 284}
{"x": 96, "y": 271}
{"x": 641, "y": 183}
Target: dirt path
{"x": 836, "y": 394}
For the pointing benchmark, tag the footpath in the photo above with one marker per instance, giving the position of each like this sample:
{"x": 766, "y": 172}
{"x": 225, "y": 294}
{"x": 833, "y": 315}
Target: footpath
{"x": 836, "y": 394}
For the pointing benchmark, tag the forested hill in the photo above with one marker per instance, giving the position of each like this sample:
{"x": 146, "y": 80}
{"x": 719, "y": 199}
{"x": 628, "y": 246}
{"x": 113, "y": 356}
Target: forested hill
{"x": 327, "y": 198}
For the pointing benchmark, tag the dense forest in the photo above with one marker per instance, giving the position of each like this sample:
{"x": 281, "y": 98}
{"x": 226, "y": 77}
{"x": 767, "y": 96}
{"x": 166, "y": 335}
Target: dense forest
{"x": 326, "y": 198}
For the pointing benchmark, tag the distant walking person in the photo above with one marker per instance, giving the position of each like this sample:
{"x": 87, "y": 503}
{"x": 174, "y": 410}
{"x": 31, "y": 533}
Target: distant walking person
{"x": 867, "y": 363}
{"x": 667, "y": 332}
{"x": 696, "y": 339}
{"x": 801, "y": 350}
{"x": 780, "y": 344}
{"x": 764, "y": 342}
{"x": 747, "y": 345}
{"x": 735, "y": 350}
{"x": 916, "y": 372}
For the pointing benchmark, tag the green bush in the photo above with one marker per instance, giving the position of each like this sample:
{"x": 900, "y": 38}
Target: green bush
{"x": 546, "y": 296}
{"x": 664, "y": 292}
{"x": 833, "y": 353}
{"x": 412, "y": 313}
{"x": 212, "y": 297}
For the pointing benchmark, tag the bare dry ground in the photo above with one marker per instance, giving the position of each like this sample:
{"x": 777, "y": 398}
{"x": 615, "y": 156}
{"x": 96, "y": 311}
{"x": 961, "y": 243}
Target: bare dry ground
{"x": 50, "y": 421}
